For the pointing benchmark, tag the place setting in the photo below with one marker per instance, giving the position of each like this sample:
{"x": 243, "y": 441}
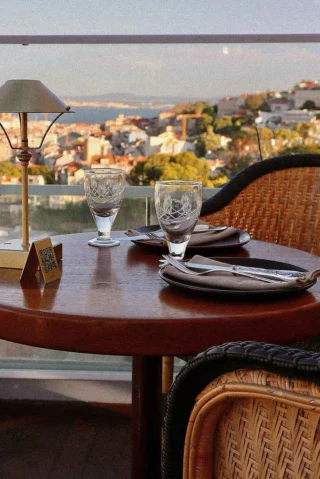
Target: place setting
{"x": 176, "y": 225}
{"x": 178, "y": 206}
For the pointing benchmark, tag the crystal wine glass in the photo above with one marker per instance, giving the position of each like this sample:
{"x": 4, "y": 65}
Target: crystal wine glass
{"x": 104, "y": 189}
{"x": 178, "y": 204}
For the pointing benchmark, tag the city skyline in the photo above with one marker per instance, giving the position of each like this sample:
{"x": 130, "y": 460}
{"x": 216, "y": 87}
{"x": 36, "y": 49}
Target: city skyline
{"x": 161, "y": 70}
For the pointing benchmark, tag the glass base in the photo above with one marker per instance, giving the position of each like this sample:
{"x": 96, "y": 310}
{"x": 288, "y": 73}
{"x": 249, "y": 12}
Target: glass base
{"x": 177, "y": 250}
{"x": 103, "y": 243}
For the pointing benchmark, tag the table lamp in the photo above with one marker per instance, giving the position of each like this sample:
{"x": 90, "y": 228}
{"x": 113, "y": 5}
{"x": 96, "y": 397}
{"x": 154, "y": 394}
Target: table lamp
{"x": 23, "y": 97}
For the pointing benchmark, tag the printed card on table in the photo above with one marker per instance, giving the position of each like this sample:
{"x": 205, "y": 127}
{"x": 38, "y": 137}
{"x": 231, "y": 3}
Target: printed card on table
{"x": 42, "y": 254}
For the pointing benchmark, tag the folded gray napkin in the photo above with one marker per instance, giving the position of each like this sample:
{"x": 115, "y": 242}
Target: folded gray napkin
{"x": 210, "y": 236}
{"x": 228, "y": 280}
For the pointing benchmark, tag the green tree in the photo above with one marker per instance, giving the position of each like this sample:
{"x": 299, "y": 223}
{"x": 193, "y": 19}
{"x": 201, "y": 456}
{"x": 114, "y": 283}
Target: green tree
{"x": 223, "y": 124}
{"x": 235, "y": 165}
{"x": 211, "y": 110}
{"x": 253, "y": 102}
{"x": 286, "y": 135}
{"x": 309, "y": 105}
{"x": 303, "y": 129}
{"x": 301, "y": 149}
{"x": 45, "y": 171}
{"x": 265, "y": 133}
{"x": 10, "y": 170}
{"x": 208, "y": 141}
{"x": 184, "y": 166}
{"x": 200, "y": 106}
{"x": 183, "y": 108}
{"x": 265, "y": 106}
{"x": 242, "y": 141}
{"x": 204, "y": 122}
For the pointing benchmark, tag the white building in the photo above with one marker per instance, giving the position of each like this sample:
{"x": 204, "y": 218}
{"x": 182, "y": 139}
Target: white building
{"x": 96, "y": 146}
{"x": 168, "y": 143}
{"x": 278, "y": 105}
{"x": 299, "y": 116}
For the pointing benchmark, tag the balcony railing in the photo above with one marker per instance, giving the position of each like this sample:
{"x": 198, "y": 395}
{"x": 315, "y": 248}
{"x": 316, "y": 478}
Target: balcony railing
{"x": 23, "y": 361}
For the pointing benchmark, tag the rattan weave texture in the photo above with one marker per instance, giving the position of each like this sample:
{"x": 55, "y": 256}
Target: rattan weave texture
{"x": 277, "y": 200}
{"x": 268, "y": 421}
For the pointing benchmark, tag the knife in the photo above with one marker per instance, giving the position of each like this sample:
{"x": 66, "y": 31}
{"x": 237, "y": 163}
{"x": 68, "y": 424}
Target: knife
{"x": 140, "y": 237}
{"x": 286, "y": 272}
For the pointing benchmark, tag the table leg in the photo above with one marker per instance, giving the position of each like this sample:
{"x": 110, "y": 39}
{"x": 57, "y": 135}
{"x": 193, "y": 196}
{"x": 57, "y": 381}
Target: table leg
{"x": 146, "y": 413}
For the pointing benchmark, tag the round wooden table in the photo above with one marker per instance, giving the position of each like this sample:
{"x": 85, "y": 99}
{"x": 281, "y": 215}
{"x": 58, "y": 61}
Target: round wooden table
{"x": 112, "y": 301}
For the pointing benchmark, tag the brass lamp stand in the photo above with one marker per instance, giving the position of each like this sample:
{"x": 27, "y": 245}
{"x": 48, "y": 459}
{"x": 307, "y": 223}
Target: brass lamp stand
{"x": 23, "y": 97}
{"x": 24, "y": 157}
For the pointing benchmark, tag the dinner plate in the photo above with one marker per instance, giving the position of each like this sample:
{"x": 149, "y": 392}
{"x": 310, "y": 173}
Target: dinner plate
{"x": 250, "y": 262}
{"x": 240, "y": 238}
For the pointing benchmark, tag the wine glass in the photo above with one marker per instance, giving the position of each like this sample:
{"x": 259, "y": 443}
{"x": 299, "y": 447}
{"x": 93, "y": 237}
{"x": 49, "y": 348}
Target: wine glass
{"x": 178, "y": 204}
{"x": 104, "y": 189}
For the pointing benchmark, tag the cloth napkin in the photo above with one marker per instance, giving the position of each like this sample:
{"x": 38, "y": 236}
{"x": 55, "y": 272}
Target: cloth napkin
{"x": 200, "y": 238}
{"x": 226, "y": 280}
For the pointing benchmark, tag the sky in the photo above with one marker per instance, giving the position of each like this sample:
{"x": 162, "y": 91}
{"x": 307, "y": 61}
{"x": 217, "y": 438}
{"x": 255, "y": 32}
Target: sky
{"x": 207, "y": 71}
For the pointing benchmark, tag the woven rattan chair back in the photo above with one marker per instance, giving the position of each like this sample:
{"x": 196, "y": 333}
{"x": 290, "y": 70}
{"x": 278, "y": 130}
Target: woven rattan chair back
{"x": 254, "y": 424}
{"x": 244, "y": 411}
{"x": 277, "y": 200}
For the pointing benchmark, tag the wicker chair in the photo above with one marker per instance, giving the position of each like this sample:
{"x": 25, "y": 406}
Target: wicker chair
{"x": 244, "y": 411}
{"x": 276, "y": 200}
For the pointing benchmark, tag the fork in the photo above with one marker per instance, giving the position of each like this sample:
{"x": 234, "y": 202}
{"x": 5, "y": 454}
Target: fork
{"x": 259, "y": 276}
{"x": 151, "y": 235}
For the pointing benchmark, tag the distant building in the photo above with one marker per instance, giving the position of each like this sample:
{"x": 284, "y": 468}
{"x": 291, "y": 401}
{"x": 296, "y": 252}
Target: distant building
{"x": 305, "y": 94}
{"x": 228, "y": 106}
{"x": 168, "y": 143}
{"x": 301, "y": 116}
{"x": 279, "y": 105}
{"x": 96, "y": 147}
{"x": 166, "y": 118}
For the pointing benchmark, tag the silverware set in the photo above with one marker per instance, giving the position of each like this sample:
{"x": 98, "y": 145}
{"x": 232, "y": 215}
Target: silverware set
{"x": 253, "y": 273}
{"x": 158, "y": 234}
{"x": 194, "y": 269}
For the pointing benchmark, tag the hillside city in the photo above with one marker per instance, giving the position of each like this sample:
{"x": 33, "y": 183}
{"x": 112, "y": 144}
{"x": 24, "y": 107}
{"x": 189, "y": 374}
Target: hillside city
{"x": 189, "y": 141}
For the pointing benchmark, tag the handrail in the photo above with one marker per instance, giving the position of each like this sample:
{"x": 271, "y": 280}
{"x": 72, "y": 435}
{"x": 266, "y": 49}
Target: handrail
{"x": 161, "y": 39}
{"x": 78, "y": 190}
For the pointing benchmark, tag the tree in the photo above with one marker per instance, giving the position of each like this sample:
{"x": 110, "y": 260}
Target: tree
{"x": 253, "y": 102}
{"x": 242, "y": 143}
{"x": 208, "y": 141}
{"x": 309, "y": 105}
{"x": 225, "y": 125}
{"x": 200, "y": 106}
{"x": 235, "y": 165}
{"x": 286, "y": 135}
{"x": 184, "y": 166}
{"x": 265, "y": 106}
{"x": 183, "y": 108}
{"x": 9, "y": 170}
{"x": 211, "y": 110}
{"x": 45, "y": 171}
{"x": 204, "y": 122}
{"x": 301, "y": 149}
{"x": 303, "y": 129}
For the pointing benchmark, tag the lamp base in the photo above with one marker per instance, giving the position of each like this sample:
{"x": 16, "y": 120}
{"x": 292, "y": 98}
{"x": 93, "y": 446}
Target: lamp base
{"x": 14, "y": 256}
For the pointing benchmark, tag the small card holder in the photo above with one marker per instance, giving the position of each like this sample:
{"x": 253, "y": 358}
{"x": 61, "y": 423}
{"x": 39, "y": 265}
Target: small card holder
{"x": 42, "y": 254}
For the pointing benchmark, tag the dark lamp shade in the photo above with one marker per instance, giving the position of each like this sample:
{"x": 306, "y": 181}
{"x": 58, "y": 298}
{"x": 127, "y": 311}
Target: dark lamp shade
{"x": 29, "y": 96}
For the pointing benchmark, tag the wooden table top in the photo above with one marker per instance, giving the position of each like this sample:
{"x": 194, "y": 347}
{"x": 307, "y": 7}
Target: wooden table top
{"x": 112, "y": 301}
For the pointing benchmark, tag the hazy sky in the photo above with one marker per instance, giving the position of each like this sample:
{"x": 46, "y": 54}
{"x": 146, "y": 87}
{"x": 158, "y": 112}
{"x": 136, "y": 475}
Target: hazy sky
{"x": 191, "y": 70}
